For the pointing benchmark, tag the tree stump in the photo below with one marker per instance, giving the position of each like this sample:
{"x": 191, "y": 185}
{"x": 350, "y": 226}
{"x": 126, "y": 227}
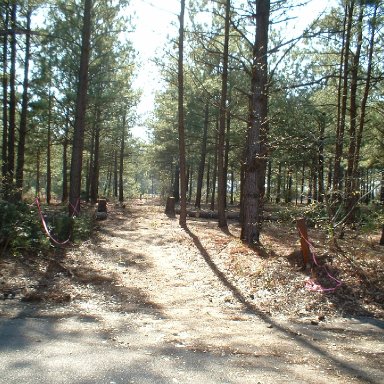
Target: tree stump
{"x": 382, "y": 236}
{"x": 102, "y": 205}
{"x": 304, "y": 241}
{"x": 101, "y": 213}
{"x": 170, "y": 207}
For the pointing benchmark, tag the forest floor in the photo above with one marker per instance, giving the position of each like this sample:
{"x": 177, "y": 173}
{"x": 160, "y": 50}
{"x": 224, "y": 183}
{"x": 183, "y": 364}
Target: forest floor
{"x": 204, "y": 292}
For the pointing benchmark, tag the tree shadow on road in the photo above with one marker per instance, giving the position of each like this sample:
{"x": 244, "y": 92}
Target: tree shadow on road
{"x": 59, "y": 289}
{"x": 251, "y": 308}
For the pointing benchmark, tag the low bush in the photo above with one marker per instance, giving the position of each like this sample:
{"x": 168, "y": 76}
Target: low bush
{"x": 20, "y": 229}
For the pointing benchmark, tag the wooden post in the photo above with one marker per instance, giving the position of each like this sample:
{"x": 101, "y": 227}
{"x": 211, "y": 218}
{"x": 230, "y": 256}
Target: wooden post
{"x": 170, "y": 207}
{"x": 305, "y": 250}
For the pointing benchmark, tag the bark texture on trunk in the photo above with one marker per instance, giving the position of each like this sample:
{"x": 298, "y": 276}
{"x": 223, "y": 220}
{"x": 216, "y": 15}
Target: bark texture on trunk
{"x": 256, "y": 144}
{"x": 203, "y": 155}
{"x": 24, "y": 113}
{"x": 64, "y": 197}
{"x": 221, "y": 176}
{"x": 181, "y": 128}
{"x": 81, "y": 106}
{"x": 9, "y": 179}
{"x": 4, "y": 156}
{"x": 121, "y": 162}
{"x": 342, "y": 95}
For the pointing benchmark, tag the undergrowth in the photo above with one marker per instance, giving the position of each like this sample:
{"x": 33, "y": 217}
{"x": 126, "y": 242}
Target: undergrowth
{"x": 22, "y": 231}
{"x": 367, "y": 218}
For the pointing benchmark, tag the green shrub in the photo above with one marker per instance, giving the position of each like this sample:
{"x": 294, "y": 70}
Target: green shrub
{"x": 82, "y": 226}
{"x": 20, "y": 229}
{"x": 371, "y": 217}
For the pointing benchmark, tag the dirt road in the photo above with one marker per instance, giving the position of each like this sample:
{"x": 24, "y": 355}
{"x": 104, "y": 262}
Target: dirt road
{"x": 149, "y": 304}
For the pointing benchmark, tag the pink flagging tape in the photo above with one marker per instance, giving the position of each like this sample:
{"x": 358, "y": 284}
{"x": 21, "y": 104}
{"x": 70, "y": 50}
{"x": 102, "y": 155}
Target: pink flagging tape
{"x": 45, "y": 225}
{"x": 311, "y": 284}
{"x": 75, "y": 208}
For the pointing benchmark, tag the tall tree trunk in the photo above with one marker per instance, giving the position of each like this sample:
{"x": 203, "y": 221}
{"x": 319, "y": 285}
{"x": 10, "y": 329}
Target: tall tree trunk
{"x": 115, "y": 174}
{"x": 95, "y": 164}
{"x": 38, "y": 173}
{"x": 88, "y": 172}
{"x": 80, "y": 111}
{"x": 315, "y": 194}
{"x": 350, "y": 183}
{"x": 24, "y": 112}
{"x": 121, "y": 162}
{"x": 181, "y": 128}
{"x": 4, "y": 157}
{"x": 310, "y": 185}
{"x": 342, "y": 93}
{"x": 232, "y": 187}
{"x": 64, "y": 197}
{"x": 222, "y": 188}
{"x": 256, "y": 146}
{"x": 278, "y": 187}
{"x": 90, "y": 179}
{"x": 227, "y": 150}
{"x": 296, "y": 185}
{"x": 12, "y": 109}
{"x": 203, "y": 154}
{"x": 289, "y": 186}
{"x": 366, "y": 189}
{"x": 269, "y": 179}
{"x": 49, "y": 146}
{"x": 214, "y": 172}
{"x": 302, "y": 184}
{"x": 242, "y": 178}
{"x": 187, "y": 177}
{"x": 367, "y": 87}
{"x": 284, "y": 183}
{"x": 320, "y": 164}
{"x": 329, "y": 178}
{"x": 207, "y": 193}
{"x": 190, "y": 182}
